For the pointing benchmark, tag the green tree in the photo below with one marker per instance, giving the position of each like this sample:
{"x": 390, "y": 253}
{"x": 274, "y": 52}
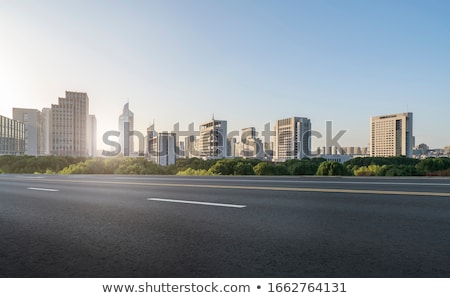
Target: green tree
{"x": 264, "y": 169}
{"x": 304, "y": 168}
{"x": 430, "y": 165}
{"x": 281, "y": 170}
{"x": 224, "y": 167}
{"x": 244, "y": 168}
{"x": 194, "y": 163}
{"x": 372, "y": 170}
{"x": 331, "y": 168}
{"x": 192, "y": 172}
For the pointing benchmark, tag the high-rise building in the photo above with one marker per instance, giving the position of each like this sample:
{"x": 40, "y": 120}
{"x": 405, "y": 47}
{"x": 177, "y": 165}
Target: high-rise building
{"x": 249, "y": 146}
{"x": 126, "y": 126}
{"x": 33, "y": 131}
{"x": 391, "y": 135}
{"x": 213, "y": 139}
{"x": 161, "y": 148}
{"x": 12, "y": 137}
{"x": 292, "y": 138}
{"x": 92, "y": 136}
{"x": 69, "y": 120}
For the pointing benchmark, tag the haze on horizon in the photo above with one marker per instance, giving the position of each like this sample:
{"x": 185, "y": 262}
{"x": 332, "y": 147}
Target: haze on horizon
{"x": 248, "y": 62}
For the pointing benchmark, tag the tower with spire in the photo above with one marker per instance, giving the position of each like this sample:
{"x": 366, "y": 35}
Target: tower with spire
{"x": 126, "y": 126}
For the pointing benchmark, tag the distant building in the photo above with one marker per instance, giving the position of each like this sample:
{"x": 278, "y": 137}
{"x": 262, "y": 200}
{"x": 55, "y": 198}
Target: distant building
{"x": 190, "y": 147}
{"x": 46, "y": 124}
{"x": 92, "y": 136}
{"x": 269, "y": 150}
{"x": 248, "y": 133}
{"x": 31, "y": 118}
{"x": 249, "y": 146}
{"x": 212, "y": 142}
{"x": 352, "y": 151}
{"x": 12, "y": 137}
{"x": 421, "y": 151}
{"x": 292, "y": 138}
{"x": 231, "y": 147}
{"x": 391, "y": 135}
{"x": 337, "y": 157}
{"x": 126, "y": 126}
{"x": 161, "y": 148}
{"x": 447, "y": 149}
{"x": 69, "y": 120}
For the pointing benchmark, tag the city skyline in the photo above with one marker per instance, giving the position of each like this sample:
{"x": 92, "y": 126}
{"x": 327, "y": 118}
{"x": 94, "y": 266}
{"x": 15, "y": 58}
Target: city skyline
{"x": 249, "y": 63}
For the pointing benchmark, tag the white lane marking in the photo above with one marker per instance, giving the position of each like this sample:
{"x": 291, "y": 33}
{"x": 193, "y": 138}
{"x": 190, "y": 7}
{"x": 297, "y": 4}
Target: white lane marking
{"x": 197, "y": 203}
{"x": 42, "y": 189}
{"x": 367, "y": 182}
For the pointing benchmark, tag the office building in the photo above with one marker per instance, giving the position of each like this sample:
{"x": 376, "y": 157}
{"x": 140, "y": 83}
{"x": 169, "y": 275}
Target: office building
{"x": 212, "y": 142}
{"x": 31, "y": 118}
{"x": 161, "y": 148}
{"x": 69, "y": 120}
{"x": 12, "y": 137}
{"x": 292, "y": 138}
{"x": 391, "y": 135}
{"x": 126, "y": 126}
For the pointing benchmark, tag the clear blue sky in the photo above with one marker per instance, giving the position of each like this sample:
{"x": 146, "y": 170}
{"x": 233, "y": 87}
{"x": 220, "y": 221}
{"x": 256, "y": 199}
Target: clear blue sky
{"x": 248, "y": 62}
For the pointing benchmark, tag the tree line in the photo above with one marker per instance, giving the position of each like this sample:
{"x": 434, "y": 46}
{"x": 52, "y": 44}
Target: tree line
{"x": 361, "y": 166}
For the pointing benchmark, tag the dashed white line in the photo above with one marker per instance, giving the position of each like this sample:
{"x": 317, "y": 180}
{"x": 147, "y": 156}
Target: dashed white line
{"x": 42, "y": 189}
{"x": 197, "y": 203}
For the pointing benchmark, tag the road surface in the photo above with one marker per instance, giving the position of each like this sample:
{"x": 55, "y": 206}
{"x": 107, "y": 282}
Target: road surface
{"x": 170, "y": 226}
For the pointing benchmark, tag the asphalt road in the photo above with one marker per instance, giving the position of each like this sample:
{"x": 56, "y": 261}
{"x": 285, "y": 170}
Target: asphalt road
{"x": 156, "y": 226}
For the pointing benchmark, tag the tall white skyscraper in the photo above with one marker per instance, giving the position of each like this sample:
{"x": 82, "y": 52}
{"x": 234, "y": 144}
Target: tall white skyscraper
{"x": 126, "y": 126}
{"x": 212, "y": 142}
{"x": 32, "y": 120}
{"x": 391, "y": 135}
{"x": 292, "y": 138}
{"x": 69, "y": 125}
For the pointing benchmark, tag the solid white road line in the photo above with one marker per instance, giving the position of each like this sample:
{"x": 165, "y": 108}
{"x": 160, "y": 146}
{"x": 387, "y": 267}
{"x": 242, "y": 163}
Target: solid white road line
{"x": 42, "y": 189}
{"x": 197, "y": 203}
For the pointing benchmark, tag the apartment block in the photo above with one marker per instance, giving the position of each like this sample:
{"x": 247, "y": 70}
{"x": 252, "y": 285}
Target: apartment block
{"x": 292, "y": 138}
{"x": 212, "y": 142}
{"x": 69, "y": 119}
{"x": 391, "y": 135}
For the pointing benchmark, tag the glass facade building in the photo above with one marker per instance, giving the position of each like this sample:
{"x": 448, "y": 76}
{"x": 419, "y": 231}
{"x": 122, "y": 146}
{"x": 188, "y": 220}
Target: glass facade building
{"x": 12, "y": 137}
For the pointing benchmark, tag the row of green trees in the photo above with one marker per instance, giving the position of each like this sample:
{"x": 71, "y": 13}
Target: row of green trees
{"x": 32, "y": 164}
{"x": 257, "y": 167}
{"x": 368, "y": 166}
{"x": 398, "y": 166}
